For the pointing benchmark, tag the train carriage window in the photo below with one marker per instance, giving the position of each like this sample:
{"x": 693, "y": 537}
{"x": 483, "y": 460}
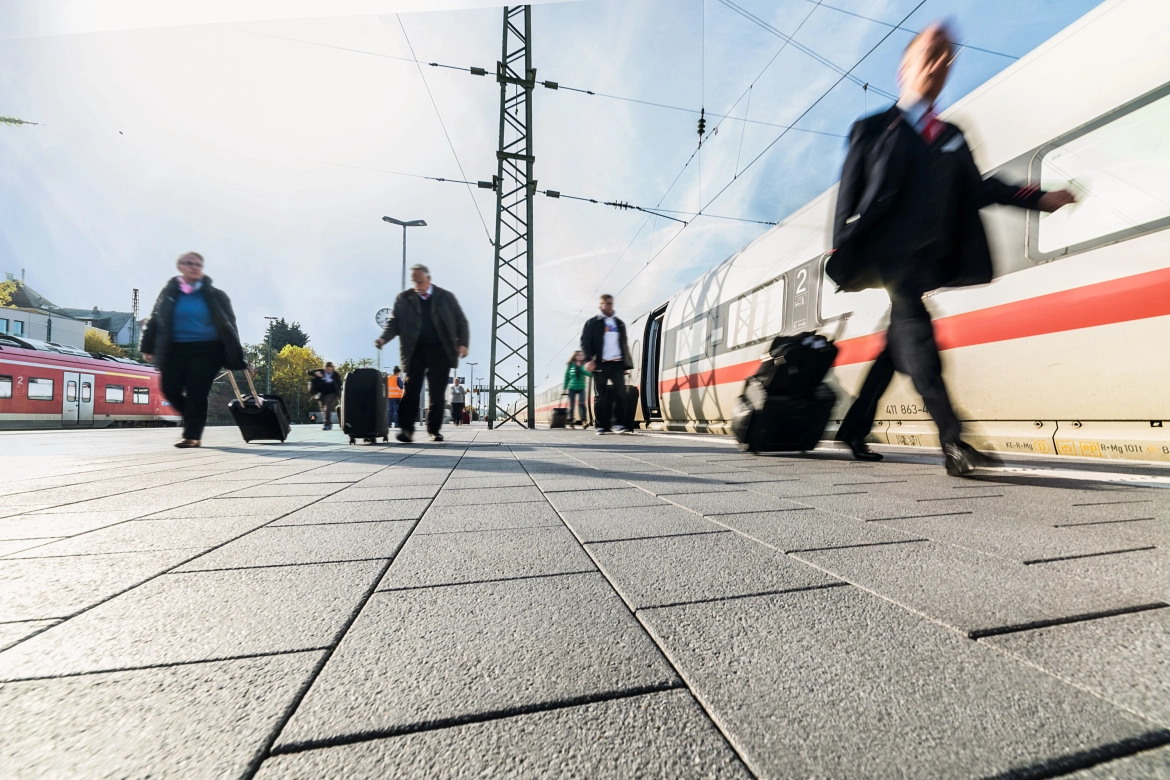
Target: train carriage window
{"x": 1119, "y": 169}
{"x": 86, "y": 392}
{"x": 115, "y": 394}
{"x": 142, "y": 395}
{"x": 690, "y": 341}
{"x": 867, "y": 304}
{"x": 756, "y": 316}
{"x": 40, "y": 389}
{"x": 5, "y": 387}
{"x": 71, "y": 391}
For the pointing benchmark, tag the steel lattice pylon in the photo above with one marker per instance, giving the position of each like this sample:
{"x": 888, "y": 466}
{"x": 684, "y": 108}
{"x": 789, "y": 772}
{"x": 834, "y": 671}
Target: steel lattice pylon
{"x": 512, "y": 312}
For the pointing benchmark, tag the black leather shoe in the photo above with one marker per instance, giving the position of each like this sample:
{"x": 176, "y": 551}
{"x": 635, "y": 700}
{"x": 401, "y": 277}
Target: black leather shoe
{"x": 406, "y": 437}
{"x": 436, "y": 437}
{"x": 861, "y": 450}
{"x": 961, "y": 459}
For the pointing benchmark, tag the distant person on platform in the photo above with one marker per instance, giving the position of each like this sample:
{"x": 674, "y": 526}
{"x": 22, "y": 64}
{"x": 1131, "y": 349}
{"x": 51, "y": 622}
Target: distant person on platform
{"x": 433, "y": 335}
{"x": 190, "y": 336}
{"x": 575, "y": 375}
{"x": 458, "y": 397}
{"x": 394, "y": 389}
{"x": 607, "y": 356}
{"x": 326, "y": 388}
{"x": 907, "y": 220}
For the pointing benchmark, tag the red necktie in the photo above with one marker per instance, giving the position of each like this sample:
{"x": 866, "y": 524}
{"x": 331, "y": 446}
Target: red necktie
{"x": 931, "y": 127}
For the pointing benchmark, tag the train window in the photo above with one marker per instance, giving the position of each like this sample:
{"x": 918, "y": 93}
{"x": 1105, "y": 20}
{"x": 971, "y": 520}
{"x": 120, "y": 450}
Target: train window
{"x": 757, "y": 315}
{"x": 866, "y": 304}
{"x": 86, "y": 392}
{"x": 5, "y": 387}
{"x": 690, "y": 341}
{"x": 40, "y": 389}
{"x": 1119, "y": 169}
{"x": 142, "y": 395}
{"x": 71, "y": 391}
{"x": 115, "y": 394}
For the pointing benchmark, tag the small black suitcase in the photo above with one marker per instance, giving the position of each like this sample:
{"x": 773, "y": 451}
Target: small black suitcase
{"x": 258, "y": 416}
{"x": 364, "y": 406}
{"x": 559, "y": 418}
{"x": 796, "y": 363}
{"x": 632, "y": 397}
{"x": 793, "y": 422}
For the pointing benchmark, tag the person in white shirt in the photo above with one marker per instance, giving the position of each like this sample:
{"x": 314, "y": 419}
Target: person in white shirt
{"x": 607, "y": 356}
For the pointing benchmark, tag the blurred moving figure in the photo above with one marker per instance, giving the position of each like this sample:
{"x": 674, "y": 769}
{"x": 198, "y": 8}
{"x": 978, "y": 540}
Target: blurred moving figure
{"x": 394, "y": 389}
{"x": 190, "y": 336}
{"x": 458, "y": 397}
{"x": 607, "y": 356}
{"x": 326, "y": 388}
{"x": 575, "y": 375}
{"x": 433, "y": 335}
{"x": 907, "y": 219}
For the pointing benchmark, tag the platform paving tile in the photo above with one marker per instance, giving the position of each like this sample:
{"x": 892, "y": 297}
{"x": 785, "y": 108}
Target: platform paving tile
{"x": 443, "y": 559}
{"x": 39, "y": 588}
{"x": 497, "y": 495}
{"x": 838, "y": 683}
{"x": 671, "y": 484}
{"x": 33, "y": 526}
{"x": 148, "y": 535}
{"x": 560, "y": 483}
{"x": 723, "y": 503}
{"x": 475, "y": 483}
{"x": 1147, "y": 765}
{"x": 615, "y": 498}
{"x": 489, "y": 517}
{"x": 267, "y": 508}
{"x": 16, "y": 546}
{"x": 357, "y": 512}
{"x": 300, "y": 544}
{"x": 270, "y": 490}
{"x": 701, "y": 567}
{"x": 200, "y": 616}
{"x": 361, "y": 493}
{"x": 11, "y": 633}
{"x": 811, "y": 530}
{"x": 438, "y": 655}
{"x": 863, "y": 504}
{"x": 597, "y": 525}
{"x": 1124, "y": 659}
{"x": 653, "y": 735}
{"x": 196, "y": 720}
{"x": 968, "y": 591}
{"x": 1142, "y": 574}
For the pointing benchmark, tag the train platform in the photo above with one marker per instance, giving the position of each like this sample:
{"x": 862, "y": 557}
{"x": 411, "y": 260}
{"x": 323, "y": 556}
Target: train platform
{"x": 517, "y": 603}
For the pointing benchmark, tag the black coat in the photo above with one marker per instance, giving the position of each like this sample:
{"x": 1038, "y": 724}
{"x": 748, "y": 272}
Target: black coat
{"x": 907, "y": 212}
{"x": 593, "y": 341}
{"x": 406, "y": 323}
{"x": 318, "y": 386}
{"x": 156, "y": 334}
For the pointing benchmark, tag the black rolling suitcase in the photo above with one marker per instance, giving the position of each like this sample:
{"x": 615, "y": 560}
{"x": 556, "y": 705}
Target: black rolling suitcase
{"x": 559, "y": 417}
{"x": 632, "y": 397}
{"x": 258, "y": 416}
{"x": 364, "y": 406}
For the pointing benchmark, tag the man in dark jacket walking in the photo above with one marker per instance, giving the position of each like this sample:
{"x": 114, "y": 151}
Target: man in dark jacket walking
{"x": 907, "y": 219}
{"x": 607, "y": 356}
{"x": 433, "y": 335}
{"x": 326, "y": 388}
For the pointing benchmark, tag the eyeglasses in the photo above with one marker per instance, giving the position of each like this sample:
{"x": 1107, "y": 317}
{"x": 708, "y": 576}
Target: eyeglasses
{"x": 191, "y": 264}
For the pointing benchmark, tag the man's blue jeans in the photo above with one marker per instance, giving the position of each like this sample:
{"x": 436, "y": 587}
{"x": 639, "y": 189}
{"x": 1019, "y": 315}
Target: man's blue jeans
{"x": 393, "y": 412}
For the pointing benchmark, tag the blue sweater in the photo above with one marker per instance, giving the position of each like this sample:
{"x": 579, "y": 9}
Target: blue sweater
{"x": 192, "y": 320}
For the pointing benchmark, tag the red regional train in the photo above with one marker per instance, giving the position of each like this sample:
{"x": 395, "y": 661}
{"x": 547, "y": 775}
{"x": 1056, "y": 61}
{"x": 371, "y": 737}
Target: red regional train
{"x": 45, "y": 385}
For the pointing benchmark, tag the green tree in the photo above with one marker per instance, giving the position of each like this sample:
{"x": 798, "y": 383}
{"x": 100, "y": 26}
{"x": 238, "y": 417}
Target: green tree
{"x": 290, "y": 378}
{"x": 281, "y": 334}
{"x": 99, "y": 341}
{"x": 349, "y": 365}
{"x": 7, "y": 290}
{"x": 11, "y": 120}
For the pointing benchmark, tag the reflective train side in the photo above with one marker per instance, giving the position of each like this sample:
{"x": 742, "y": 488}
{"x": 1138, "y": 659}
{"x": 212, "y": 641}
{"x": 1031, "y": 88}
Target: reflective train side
{"x": 1060, "y": 354}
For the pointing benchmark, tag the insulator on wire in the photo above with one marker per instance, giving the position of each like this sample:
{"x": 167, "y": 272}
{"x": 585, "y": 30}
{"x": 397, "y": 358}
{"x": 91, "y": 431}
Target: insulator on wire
{"x": 702, "y": 123}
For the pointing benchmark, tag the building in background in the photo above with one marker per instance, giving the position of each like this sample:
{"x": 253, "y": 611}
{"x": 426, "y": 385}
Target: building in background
{"x": 119, "y": 324}
{"x": 31, "y": 315}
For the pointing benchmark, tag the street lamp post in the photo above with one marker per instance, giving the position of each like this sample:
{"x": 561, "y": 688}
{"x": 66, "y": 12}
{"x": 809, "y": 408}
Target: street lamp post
{"x": 471, "y": 384}
{"x": 405, "y": 225}
{"x": 268, "y": 362}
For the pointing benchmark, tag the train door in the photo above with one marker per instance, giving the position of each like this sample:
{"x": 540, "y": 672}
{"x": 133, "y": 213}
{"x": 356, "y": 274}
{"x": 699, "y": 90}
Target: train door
{"x": 652, "y": 366}
{"x": 71, "y": 399}
{"x": 85, "y": 400}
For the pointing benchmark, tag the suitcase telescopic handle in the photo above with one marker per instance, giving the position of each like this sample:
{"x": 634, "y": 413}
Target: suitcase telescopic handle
{"x": 236, "y": 388}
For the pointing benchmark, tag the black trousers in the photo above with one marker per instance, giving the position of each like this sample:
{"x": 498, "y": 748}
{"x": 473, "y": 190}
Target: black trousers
{"x": 187, "y": 374}
{"x": 429, "y": 363}
{"x": 457, "y": 413}
{"x": 609, "y": 381}
{"x": 911, "y": 350}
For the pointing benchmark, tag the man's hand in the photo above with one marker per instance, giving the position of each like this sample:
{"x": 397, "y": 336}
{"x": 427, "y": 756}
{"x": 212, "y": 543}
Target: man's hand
{"x": 379, "y": 342}
{"x": 148, "y": 358}
{"x": 1051, "y": 201}
{"x": 463, "y": 352}
{"x": 590, "y": 366}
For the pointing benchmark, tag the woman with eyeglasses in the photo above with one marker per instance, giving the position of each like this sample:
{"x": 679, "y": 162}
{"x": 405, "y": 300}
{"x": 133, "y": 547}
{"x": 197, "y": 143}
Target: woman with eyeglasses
{"x": 190, "y": 335}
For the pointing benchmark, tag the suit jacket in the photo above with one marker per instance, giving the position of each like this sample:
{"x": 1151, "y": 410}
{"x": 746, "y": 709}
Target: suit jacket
{"x": 406, "y": 323}
{"x": 593, "y": 341}
{"x": 907, "y": 211}
{"x": 156, "y": 334}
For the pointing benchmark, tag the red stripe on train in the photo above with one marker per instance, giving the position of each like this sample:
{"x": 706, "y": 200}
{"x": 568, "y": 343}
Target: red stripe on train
{"x": 1131, "y": 298}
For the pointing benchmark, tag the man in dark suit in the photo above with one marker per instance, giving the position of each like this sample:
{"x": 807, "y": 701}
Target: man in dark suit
{"x": 607, "y": 355}
{"x": 907, "y": 219}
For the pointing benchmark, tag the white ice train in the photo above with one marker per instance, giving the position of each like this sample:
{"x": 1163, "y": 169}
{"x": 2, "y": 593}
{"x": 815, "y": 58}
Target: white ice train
{"x": 1066, "y": 352}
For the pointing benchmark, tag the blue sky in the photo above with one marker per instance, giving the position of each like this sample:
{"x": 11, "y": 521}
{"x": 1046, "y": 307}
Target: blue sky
{"x": 271, "y": 156}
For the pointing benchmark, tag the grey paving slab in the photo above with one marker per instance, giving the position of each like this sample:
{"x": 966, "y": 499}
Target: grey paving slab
{"x": 1147, "y": 765}
{"x": 11, "y": 633}
{"x": 504, "y": 481}
{"x": 656, "y": 735}
{"x": 595, "y": 525}
{"x": 615, "y": 498}
{"x": 432, "y": 655}
{"x": 494, "y": 495}
{"x": 968, "y": 591}
{"x": 489, "y": 517}
{"x": 197, "y": 720}
{"x": 358, "y": 512}
{"x": 442, "y": 559}
{"x": 1154, "y": 531}
{"x": 299, "y": 544}
{"x": 723, "y": 503}
{"x": 14, "y": 546}
{"x": 873, "y": 506}
{"x": 559, "y": 483}
{"x": 271, "y": 490}
{"x": 39, "y": 588}
{"x": 811, "y": 530}
{"x": 700, "y": 567}
{"x": 1143, "y": 574}
{"x": 838, "y": 683}
{"x": 677, "y": 484}
{"x": 200, "y": 616}
{"x": 1124, "y": 659}
{"x": 403, "y": 474}
{"x": 36, "y": 526}
{"x": 147, "y": 535}
{"x": 358, "y": 493}
{"x": 266, "y": 508}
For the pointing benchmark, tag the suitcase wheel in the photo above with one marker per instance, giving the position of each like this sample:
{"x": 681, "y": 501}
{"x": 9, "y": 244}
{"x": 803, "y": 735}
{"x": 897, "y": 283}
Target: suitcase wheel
{"x": 352, "y": 440}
